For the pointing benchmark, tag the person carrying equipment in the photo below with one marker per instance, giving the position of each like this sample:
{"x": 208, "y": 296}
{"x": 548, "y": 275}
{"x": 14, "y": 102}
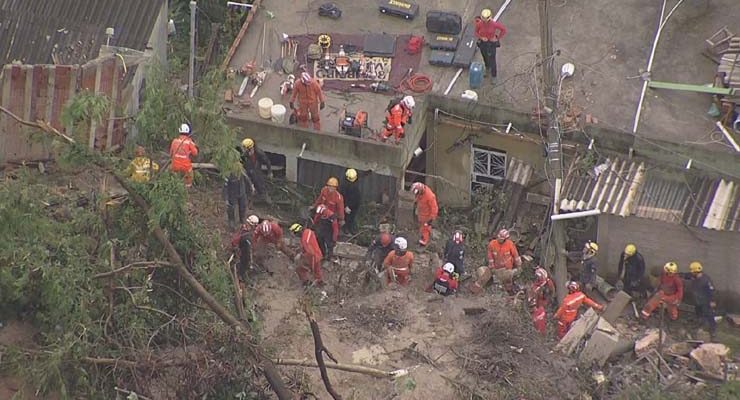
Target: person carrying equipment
{"x": 310, "y": 98}
{"x": 631, "y": 271}
{"x": 140, "y": 169}
{"x": 398, "y": 263}
{"x": 310, "y": 256}
{"x": 182, "y": 149}
{"x": 503, "y": 257}
{"x": 332, "y": 199}
{"x": 327, "y": 229}
{"x": 669, "y": 292}
{"x": 426, "y": 210}
{"x": 397, "y": 117}
{"x": 253, "y": 159}
{"x": 454, "y": 252}
{"x": 568, "y": 310}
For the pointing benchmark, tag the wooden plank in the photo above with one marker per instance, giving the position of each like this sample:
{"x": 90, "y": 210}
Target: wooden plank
{"x": 243, "y": 31}
{"x": 690, "y": 88}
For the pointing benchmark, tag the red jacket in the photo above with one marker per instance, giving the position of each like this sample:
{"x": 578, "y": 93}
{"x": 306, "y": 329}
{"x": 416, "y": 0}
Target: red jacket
{"x": 671, "y": 285}
{"x": 441, "y": 275}
{"x": 310, "y": 245}
{"x": 539, "y": 292}
{"x": 333, "y": 200}
{"x": 181, "y": 149}
{"x": 490, "y": 29}
{"x": 503, "y": 255}
{"x": 426, "y": 205}
{"x": 568, "y": 310}
{"x": 274, "y": 236}
{"x": 328, "y": 216}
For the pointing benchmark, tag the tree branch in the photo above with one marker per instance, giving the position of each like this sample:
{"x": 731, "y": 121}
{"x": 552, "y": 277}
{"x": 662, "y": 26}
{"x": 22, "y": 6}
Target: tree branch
{"x": 129, "y": 266}
{"x": 40, "y": 125}
{"x": 319, "y": 350}
{"x": 360, "y": 369}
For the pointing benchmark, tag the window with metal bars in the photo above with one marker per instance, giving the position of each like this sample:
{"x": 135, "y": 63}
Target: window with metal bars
{"x": 489, "y": 166}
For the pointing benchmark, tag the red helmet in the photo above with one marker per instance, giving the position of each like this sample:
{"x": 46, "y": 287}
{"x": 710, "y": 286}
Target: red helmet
{"x": 503, "y": 234}
{"x": 386, "y": 239}
{"x": 265, "y": 227}
{"x": 573, "y": 286}
{"x": 458, "y": 237}
{"x": 418, "y": 188}
{"x": 541, "y": 274}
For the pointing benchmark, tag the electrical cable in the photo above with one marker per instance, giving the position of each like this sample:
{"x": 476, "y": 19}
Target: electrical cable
{"x": 416, "y": 83}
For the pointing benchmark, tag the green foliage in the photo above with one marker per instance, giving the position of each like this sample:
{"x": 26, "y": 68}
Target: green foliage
{"x": 84, "y": 108}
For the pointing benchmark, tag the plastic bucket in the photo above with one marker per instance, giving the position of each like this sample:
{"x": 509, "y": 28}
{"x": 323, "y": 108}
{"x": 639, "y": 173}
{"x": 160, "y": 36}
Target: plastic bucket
{"x": 278, "y": 113}
{"x": 265, "y": 107}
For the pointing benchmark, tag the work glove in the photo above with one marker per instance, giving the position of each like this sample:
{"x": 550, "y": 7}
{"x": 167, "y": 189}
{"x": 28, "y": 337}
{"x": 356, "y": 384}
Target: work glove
{"x": 347, "y": 210}
{"x": 292, "y": 105}
{"x": 456, "y": 276}
{"x": 322, "y": 105}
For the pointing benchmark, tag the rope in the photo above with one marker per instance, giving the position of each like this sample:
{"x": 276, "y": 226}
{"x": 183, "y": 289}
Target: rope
{"x": 417, "y": 83}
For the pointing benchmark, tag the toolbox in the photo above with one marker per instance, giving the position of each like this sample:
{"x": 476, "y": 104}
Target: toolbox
{"x": 399, "y": 8}
{"x": 444, "y": 22}
{"x": 443, "y": 42}
{"x": 466, "y": 48}
{"x": 379, "y": 45}
{"x": 441, "y": 58}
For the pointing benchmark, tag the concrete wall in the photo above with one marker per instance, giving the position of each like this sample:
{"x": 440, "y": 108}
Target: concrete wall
{"x": 660, "y": 242}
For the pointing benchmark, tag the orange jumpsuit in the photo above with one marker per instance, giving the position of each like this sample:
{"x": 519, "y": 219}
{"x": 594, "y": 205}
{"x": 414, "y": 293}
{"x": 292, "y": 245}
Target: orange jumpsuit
{"x": 568, "y": 310}
{"x": 181, "y": 149}
{"x": 538, "y": 300}
{"x": 426, "y": 212}
{"x": 398, "y": 267}
{"x": 504, "y": 256}
{"x": 670, "y": 292}
{"x": 396, "y": 118}
{"x": 309, "y": 97}
{"x": 333, "y": 200}
{"x": 275, "y": 236}
{"x": 311, "y": 257}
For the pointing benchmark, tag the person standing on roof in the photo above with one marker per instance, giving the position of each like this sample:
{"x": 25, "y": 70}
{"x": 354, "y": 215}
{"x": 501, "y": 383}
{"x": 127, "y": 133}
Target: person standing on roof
{"x": 702, "y": 288}
{"x": 631, "y": 271}
{"x": 236, "y": 188}
{"x": 396, "y": 119}
{"x": 426, "y": 210}
{"x": 454, "y": 252}
{"x": 310, "y": 98}
{"x": 503, "y": 257}
{"x": 327, "y": 229}
{"x": 332, "y": 199}
{"x": 398, "y": 263}
{"x": 489, "y": 33}
{"x": 350, "y": 191}
{"x": 141, "y": 168}
{"x": 568, "y": 310}
{"x": 310, "y": 256}
{"x": 253, "y": 159}
{"x": 669, "y": 293}
{"x": 588, "y": 265}
{"x": 182, "y": 149}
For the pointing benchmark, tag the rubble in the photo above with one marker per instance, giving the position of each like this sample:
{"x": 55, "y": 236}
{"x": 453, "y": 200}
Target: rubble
{"x": 603, "y": 341}
{"x": 680, "y": 348}
{"x": 581, "y": 328}
{"x": 709, "y": 357}
{"x": 616, "y": 306}
{"x": 733, "y": 319}
{"x": 350, "y": 251}
{"x": 648, "y": 342}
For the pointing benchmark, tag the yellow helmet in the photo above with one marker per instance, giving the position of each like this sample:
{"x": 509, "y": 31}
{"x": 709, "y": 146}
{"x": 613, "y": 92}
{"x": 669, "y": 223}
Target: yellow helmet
{"x": 247, "y": 143}
{"x": 630, "y": 249}
{"x": 592, "y": 247}
{"x": 295, "y": 228}
{"x": 333, "y": 182}
{"x": 670, "y": 267}
{"x": 324, "y": 41}
{"x": 695, "y": 267}
{"x": 351, "y": 175}
{"x": 486, "y": 14}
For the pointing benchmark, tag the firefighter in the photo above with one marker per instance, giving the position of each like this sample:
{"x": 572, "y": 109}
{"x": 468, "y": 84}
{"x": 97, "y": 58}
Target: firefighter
{"x": 140, "y": 169}
{"x": 669, "y": 292}
{"x": 253, "y": 159}
{"x": 398, "y": 263}
{"x": 503, "y": 258}
{"x": 702, "y": 288}
{"x": 397, "y": 117}
{"x": 588, "y": 265}
{"x": 489, "y": 33}
{"x": 445, "y": 280}
{"x": 332, "y": 199}
{"x": 538, "y": 298}
{"x": 454, "y": 252}
{"x": 379, "y": 249}
{"x": 310, "y": 256}
{"x": 265, "y": 234}
{"x": 568, "y": 310}
{"x": 350, "y": 191}
{"x": 241, "y": 244}
{"x": 310, "y": 100}
{"x": 631, "y": 271}
{"x": 327, "y": 229}
{"x": 182, "y": 149}
{"x": 426, "y": 210}
{"x": 236, "y": 187}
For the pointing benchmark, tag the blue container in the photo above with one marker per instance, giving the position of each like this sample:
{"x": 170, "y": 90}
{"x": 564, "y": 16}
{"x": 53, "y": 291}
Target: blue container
{"x": 476, "y": 74}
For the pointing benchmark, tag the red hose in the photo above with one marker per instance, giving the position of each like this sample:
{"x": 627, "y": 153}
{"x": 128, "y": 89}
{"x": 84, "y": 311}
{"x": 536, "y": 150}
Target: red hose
{"x": 417, "y": 83}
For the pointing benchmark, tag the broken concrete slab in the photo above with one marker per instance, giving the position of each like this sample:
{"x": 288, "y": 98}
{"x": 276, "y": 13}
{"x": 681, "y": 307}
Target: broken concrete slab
{"x": 581, "y": 328}
{"x": 648, "y": 342}
{"x": 709, "y": 357}
{"x": 733, "y": 319}
{"x": 350, "y": 250}
{"x": 681, "y": 348}
{"x": 616, "y": 306}
{"x": 601, "y": 344}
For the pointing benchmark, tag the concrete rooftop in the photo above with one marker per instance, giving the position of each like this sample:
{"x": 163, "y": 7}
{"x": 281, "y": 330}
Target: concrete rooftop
{"x": 608, "y": 41}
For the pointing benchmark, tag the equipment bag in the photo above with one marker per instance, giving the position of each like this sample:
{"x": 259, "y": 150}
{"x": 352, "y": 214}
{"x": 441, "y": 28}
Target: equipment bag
{"x": 443, "y": 42}
{"x": 414, "y": 44}
{"x": 441, "y": 58}
{"x": 314, "y": 51}
{"x": 444, "y": 22}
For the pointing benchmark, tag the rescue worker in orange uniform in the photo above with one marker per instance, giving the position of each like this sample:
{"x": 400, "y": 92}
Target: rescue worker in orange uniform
{"x": 265, "y": 234}
{"x": 503, "y": 257}
{"x": 241, "y": 245}
{"x": 397, "y": 117}
{"x": 311, "y": 99}
{"x": 398, "y": 263}
{"x": 669, "y": 292}
{"x": 379, "y": 249}
{"x": 445, "y": 280}
{"x": 140, "y": 169}
{"x": 182, "y": 149}
{"x": 327, "y": 229}
{"x": 310, "y": 256}
{"x": 568, "y": 311}
{"x": 332, "y": 199}
{"x": 538, "y": 297}
{"x": 426, "y": 210}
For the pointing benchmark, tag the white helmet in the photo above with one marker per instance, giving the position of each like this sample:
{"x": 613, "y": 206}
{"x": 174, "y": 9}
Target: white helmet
{"x": 253, "y": 220}
{"x": 448, "y": 267}
{"x": 185, "y": 129}
{"x": 320, "y": 209}
{"x": 400, "y": 243}
{"x": 408, "y": 102}
{"x": 265, "y": 227}
{"x": 417, "y": 187}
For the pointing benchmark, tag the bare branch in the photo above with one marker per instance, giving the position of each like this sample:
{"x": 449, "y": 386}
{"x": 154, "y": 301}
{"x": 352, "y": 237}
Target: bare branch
{"x": 41, "y": 125}
{"x": 150, "y": 264}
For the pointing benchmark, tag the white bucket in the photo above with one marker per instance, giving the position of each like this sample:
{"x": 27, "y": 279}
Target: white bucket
{"x": 278, "y": 113}
{"x": 265, "y": 107}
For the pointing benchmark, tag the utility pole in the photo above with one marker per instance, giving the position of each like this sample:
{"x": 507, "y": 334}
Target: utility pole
{"x": 191, "y": 73}
{"x": 556, "y": 242}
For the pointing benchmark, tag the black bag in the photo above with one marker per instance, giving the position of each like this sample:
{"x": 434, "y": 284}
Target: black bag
{"x": 441, "y": 58}
{"x": 466, "y": 48}
{"x": 443, "y": 42}
{"x": 444, "y": 22}
{"x": 330, "y": 10}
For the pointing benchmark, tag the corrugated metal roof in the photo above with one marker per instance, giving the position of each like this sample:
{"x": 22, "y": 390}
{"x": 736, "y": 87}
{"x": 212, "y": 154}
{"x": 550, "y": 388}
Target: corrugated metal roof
{"x": 518, "y": 171}
{"x": 73, "y": 30}
{"x": 626, "y": 188}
